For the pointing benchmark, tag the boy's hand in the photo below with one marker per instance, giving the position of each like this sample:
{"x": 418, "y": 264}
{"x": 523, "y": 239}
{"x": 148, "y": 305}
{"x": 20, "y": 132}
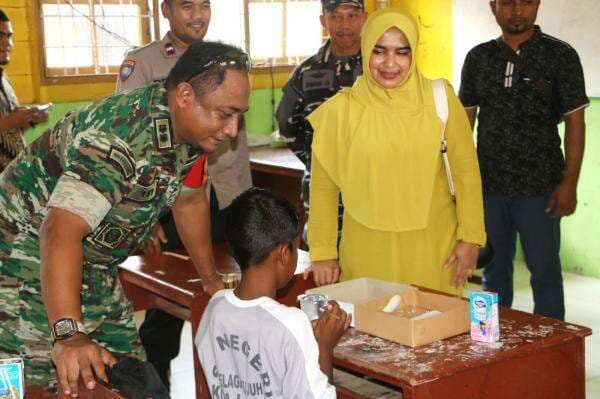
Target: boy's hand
{"x": 330, "y": 327}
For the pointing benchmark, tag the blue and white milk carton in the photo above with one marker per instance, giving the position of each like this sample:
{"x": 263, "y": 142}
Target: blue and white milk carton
{"x": 484, "y": 316}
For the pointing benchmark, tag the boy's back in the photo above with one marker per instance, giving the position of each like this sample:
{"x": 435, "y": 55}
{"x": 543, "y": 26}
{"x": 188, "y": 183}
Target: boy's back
{"x": 259, "y": 348}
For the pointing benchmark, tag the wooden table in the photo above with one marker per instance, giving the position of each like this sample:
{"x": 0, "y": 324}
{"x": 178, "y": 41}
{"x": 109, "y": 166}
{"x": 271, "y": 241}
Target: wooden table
{"x": 279, "y": 170}
{"x": 536, "y": 357}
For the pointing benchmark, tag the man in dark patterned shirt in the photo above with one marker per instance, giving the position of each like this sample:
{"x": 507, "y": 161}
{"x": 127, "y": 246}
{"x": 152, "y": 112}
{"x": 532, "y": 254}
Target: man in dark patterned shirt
{"x": 13, "y": 118}
{"x": 337, "y": 64}
{"x": 524, "y": 84}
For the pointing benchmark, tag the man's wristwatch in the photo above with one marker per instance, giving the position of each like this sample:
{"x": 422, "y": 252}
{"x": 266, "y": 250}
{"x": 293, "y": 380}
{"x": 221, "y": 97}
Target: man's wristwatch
{"x": 65, "y": 328}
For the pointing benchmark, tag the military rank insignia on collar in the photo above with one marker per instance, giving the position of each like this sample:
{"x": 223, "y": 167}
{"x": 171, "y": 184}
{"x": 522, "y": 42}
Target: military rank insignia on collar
{"x": 126, "y": 70}
{"x": 170, "y": 50}
{"x": 163, "y": 133}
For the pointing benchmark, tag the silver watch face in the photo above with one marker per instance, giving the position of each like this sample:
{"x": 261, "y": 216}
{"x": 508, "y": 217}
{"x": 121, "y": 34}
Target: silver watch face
{"x": 64, "y": 327}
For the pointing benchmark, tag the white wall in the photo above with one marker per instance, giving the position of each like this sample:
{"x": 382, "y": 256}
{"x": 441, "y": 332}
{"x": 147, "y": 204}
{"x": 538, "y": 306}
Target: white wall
{"x": 577, "y": 22}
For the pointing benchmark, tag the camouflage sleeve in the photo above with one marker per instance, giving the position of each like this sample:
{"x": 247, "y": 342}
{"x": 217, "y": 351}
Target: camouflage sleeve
{"x": 102, "y": 161}
{"x": 291, "y": 118}
{"x": 81, "y": 199}
{"x": 132, "y": 74}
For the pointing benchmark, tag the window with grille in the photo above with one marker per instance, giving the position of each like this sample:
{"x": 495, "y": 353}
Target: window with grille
{"x": 91, "y": 37}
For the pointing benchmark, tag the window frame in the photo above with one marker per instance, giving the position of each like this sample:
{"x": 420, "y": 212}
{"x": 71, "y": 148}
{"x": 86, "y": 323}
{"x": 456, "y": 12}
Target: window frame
{"x": 148, "y": 26}
{"x": 88, "y": 75}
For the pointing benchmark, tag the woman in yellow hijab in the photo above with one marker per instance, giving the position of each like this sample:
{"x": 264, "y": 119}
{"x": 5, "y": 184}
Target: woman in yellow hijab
{"x": 378, "y": 144}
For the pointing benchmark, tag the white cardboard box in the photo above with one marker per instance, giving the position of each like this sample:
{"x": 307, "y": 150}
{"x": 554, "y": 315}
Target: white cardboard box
{"x": 349, "y": 293}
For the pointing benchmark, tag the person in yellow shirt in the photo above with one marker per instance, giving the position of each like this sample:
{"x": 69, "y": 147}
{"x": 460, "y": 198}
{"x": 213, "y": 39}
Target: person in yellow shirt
{"x": 379, "y": 143}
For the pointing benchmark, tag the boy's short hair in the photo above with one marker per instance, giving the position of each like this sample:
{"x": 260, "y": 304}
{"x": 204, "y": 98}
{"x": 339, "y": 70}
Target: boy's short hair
{"x": 257, "y": 221}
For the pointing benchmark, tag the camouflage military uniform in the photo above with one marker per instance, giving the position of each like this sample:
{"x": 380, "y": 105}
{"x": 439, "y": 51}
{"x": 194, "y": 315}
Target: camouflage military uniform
{"x": 114, "y": 164}
{"x": 312, "y": 83}
{"x": 11, "y": 141}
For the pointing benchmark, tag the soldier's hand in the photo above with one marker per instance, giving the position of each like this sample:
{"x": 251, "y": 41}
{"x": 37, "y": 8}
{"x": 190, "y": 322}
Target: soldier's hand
{"x": 20, "y": 118}
{"x": 39, "y": 116}
{"x": 80, "y": 356}
{"x": 213, "y": 284}
{"x": 152, "y": 245}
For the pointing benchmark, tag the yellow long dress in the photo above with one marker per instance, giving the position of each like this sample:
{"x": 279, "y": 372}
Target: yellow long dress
{"x": 381, "y": 149}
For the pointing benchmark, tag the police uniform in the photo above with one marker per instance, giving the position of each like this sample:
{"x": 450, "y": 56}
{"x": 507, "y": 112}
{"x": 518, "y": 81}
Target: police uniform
{"x": 312, "y": 83}
{"x": 229, "y": 173}
{"x": 114, "y": 164}
{"x": 11, "y": 140}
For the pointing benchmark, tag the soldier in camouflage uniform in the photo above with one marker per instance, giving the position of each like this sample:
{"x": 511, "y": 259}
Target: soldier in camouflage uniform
{"x": 336, "y": 65}
{"x": 83, "y": 197}
{"x": 14, "y": 120}
{"x": 228, "y": 167}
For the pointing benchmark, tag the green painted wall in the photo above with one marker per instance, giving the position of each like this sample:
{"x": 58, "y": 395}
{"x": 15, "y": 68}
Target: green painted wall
{"x": 259, "y": 120}
{"x": 580, "y": 252}
{"x": 580, "y": 249}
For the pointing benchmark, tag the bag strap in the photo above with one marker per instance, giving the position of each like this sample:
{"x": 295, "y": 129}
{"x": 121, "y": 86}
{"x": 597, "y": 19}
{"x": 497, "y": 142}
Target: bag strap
{"x": 440, "y": 98}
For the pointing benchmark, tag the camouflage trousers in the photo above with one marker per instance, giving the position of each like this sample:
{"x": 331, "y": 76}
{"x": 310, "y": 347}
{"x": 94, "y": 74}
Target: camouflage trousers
{"x": 24, "y": 329}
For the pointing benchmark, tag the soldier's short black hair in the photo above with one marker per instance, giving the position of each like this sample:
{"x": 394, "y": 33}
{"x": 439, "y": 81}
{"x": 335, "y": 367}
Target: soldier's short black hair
{"x": 3, "y": 17}
{"x": 257, "y": 222}
{"x": 204, "y": 64}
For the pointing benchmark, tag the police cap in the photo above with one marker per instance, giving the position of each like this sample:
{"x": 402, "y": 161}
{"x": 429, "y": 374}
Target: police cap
{"x": 330, "y": 5}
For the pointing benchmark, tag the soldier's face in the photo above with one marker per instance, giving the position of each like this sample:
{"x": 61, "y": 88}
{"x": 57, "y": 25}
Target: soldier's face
{"x": 188, "y": 19}
{"x": 515, "y": 16}
{"x": 344, "y": 25}
{"x": 209, "y": 121}
{"x": 390, "y": 59}
{"x": 6, "y": 42}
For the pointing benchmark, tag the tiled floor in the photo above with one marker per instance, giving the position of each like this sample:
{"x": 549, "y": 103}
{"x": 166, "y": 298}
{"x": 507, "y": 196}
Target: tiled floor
{"x": 582, "y": 303}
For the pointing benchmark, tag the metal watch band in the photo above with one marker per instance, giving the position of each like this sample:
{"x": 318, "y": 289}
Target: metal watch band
{"x": 66, "y": 327}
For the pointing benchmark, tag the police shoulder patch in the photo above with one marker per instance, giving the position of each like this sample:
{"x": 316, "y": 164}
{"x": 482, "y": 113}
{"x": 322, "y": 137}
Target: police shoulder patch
{"x": 126, "y": 69}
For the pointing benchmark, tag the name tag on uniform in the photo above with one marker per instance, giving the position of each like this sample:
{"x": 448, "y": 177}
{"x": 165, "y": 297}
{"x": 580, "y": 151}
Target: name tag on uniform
{"x": 317, "y": 80}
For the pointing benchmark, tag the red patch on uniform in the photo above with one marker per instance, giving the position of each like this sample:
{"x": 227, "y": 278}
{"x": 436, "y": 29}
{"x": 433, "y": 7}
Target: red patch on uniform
{"x": 198, "y": 174}
{"x": 126, "y": 69}
{"x": 170, "y": 50}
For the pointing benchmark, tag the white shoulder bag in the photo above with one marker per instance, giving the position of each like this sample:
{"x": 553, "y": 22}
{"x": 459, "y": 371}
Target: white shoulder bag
{"x": 441, "y": 107}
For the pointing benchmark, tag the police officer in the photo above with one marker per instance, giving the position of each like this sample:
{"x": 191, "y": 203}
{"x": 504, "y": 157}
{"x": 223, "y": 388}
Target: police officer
{"x": 228, "y": 168}
{"x": 82, "y": 198}
{"x": 14, "y": 120}
{"x": 336, "y": 65}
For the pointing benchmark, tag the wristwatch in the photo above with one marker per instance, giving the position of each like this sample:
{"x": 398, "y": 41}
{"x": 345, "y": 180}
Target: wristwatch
{"x": 65, "y": 328}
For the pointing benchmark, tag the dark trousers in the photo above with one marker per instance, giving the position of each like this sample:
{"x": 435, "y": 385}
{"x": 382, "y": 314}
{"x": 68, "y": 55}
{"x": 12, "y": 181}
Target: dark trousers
{"x": 160, "y": 332}
{"x": 540, "y": 240}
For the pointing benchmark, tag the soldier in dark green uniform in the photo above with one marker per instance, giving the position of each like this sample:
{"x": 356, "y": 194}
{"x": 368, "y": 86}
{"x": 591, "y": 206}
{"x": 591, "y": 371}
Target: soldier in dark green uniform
{"x": 84, "y": 196}
{"x": 337, "y": 64}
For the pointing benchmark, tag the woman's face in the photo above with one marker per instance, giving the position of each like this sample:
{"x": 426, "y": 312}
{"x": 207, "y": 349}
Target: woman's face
{"x": 391, "y": 58}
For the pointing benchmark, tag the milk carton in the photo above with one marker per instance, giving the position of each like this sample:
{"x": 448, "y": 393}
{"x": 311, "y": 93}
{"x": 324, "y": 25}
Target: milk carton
{"x": 484, "y": 316}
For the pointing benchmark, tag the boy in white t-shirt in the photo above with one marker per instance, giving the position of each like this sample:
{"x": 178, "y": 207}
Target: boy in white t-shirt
{"x": 249, "y": 344}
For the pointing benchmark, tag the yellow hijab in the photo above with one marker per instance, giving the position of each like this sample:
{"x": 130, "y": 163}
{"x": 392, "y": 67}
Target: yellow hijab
{"x": 381, "y": 146}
